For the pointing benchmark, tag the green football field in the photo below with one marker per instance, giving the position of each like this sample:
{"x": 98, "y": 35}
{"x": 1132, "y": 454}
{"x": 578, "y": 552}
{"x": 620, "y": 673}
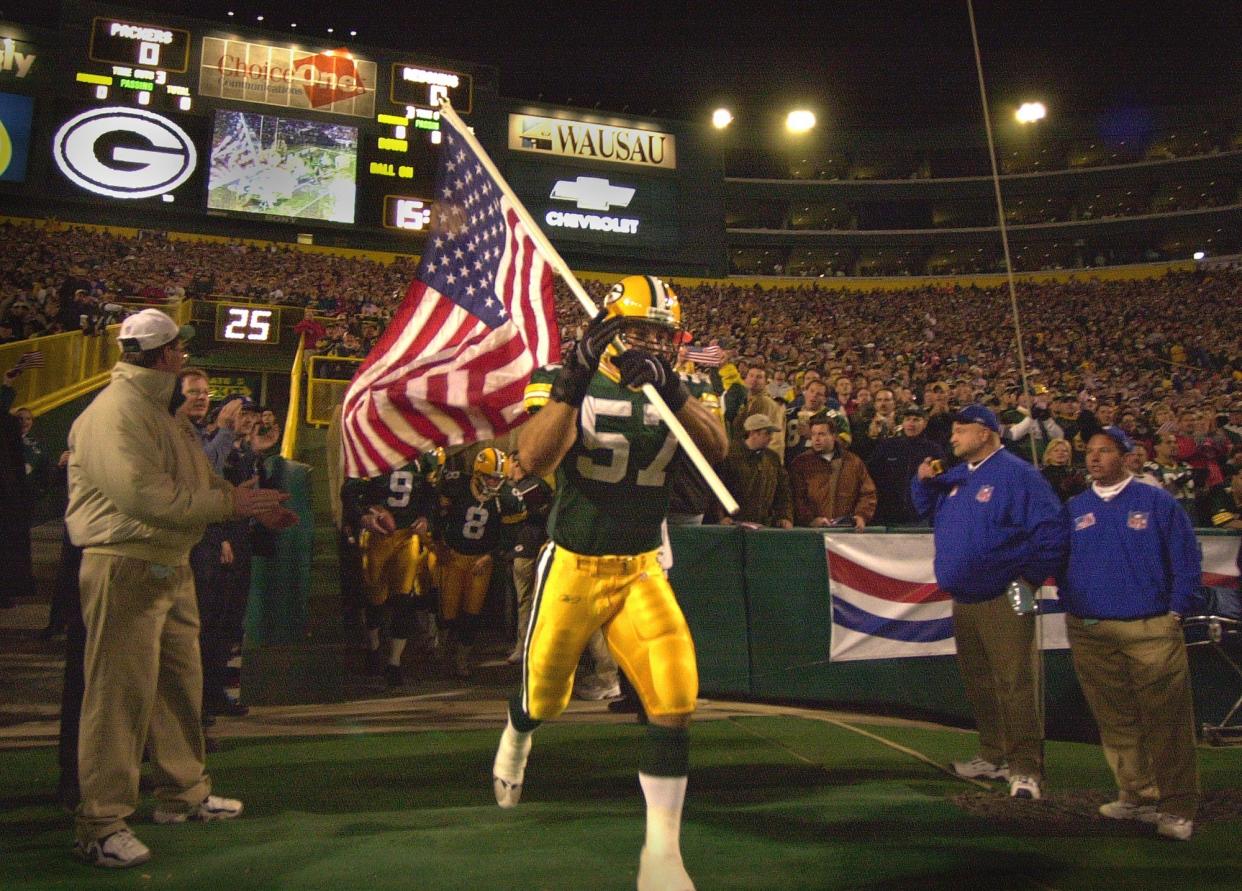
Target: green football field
{"x": 774, "y": 802}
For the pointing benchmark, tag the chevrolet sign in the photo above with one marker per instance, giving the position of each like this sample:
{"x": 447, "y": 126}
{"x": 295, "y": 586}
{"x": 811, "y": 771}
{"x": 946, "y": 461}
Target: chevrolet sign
{"x": 592, "y": 193}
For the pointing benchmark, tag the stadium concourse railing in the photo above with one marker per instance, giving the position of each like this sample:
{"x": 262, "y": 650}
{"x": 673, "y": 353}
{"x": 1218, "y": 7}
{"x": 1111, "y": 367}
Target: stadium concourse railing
{"x": 327, "y": 378}
{"x": 74, "y": 363}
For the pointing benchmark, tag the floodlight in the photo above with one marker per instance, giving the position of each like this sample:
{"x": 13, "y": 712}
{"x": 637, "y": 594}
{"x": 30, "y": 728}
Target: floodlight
{"x": 799, "y": 121}
{"x": 1199, "y": 255}
{"x": 722, "y": 118}
{"x": 1030, "y": 112}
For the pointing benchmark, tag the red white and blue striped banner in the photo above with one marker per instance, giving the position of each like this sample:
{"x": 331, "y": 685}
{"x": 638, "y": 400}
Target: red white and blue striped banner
{"x": 886, "y": 604}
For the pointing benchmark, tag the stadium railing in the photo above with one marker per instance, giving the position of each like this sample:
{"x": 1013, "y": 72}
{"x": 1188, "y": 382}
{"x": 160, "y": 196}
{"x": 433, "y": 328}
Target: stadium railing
{"x": 327, "y": 378}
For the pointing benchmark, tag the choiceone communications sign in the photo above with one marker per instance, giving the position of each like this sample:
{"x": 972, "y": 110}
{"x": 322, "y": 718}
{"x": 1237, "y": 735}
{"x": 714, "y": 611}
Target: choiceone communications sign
{"x": 332, "y": 80}
{"x": 124, "y": 153}
{"x": 593, "y": 142}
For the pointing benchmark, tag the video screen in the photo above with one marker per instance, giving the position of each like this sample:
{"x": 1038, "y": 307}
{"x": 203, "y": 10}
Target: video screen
{"x": 278, "y": 166}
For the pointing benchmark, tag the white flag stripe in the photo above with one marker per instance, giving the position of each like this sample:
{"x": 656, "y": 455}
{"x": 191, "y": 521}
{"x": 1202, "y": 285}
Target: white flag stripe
{"x": 878, "y": 606}
{"x": 849, "y": 645}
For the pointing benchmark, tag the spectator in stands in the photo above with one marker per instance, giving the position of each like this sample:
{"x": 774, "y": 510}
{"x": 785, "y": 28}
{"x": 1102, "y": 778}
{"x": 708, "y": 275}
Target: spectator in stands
{"x": 1133, "y": 570}
{"x": 1176, "y": 477}
{"x": 1066, "y": 479}
{"x": 1225, "y": 501}
{"x": 140, "y": 494}
{"x": 875, "y": 424}
{"x": 894, "y": 464}
{"x": 757, "y": 478}
{"x": 1029, "y": 427}
{"x": 996, "y": 522}
{"x": 754, "y": 400}
{"x": 830, "y": 485}
{"x": 812, "y": 401}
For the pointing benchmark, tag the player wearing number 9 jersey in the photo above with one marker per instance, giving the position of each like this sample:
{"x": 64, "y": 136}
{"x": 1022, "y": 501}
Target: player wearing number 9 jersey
{"x": 475, "y": 511}
{"x": 612, "y": 452}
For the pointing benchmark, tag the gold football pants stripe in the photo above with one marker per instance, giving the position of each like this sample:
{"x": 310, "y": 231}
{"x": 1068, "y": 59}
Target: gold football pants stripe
{"x": 630, "y": 599}
{"x": 393, "y": 564}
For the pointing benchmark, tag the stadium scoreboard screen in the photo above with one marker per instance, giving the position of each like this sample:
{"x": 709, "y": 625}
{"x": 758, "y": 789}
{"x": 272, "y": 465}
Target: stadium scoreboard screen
{"x": 246, "y": 324}
{"x": 131, "y": 59}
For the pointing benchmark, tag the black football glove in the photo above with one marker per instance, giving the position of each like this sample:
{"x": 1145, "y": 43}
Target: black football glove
{"x": 639, "y": 367}
{"x": 581, "y": 362}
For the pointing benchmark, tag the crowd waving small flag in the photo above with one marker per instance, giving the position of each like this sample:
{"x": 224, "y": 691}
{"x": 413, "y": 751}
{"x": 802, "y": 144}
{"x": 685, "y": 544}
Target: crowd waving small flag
{"x": 31, "y": 359}
{"x": 477, "y": 320}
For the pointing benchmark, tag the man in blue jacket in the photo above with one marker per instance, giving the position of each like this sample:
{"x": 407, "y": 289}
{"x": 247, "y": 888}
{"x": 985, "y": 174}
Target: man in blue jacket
{"x": 1133, "y": 567}
{"x": 996, "y": 520}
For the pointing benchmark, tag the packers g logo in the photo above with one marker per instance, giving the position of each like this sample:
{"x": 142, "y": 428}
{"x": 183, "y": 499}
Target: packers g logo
{"x": 6, "y": 149}
{"x": 124, "y": 152}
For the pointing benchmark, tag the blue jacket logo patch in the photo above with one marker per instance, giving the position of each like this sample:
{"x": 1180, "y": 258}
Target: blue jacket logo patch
{"x": 984, "y": 495}
{"x": 1084, "y": 522}
{"x": 1137, "y": 520}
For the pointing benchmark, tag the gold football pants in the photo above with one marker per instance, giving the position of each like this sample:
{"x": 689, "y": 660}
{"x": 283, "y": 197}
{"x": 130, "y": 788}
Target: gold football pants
{"x": 394, "y": 564}
{"x": 464, "y": 580}
{"x": 630, "y": 599}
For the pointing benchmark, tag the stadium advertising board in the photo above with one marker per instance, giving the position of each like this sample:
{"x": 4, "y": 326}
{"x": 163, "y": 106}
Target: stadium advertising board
{"x": 282, "y": 167}
{"x": 132, "y": 154}
{"x": 333, "y": 81}
{"x": 20, "y": 60}
{"x": 15, "y": 115}
{"x": 420, "y": 86}
{"x": 565, "y": 138}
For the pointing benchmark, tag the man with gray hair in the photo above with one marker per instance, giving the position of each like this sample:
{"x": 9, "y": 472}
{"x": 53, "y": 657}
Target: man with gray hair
{"x": 141, "y": 492}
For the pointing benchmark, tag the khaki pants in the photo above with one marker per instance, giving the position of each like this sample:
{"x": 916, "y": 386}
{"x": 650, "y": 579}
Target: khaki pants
{"x": 524, "y": 584}
{"x": 144, "y": 685}
{"x": 997, "y": 657}
{"x": 1137, "y": 681}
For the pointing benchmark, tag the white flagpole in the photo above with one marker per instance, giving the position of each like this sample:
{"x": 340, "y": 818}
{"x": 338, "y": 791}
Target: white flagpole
{"x": 554, "y": 259}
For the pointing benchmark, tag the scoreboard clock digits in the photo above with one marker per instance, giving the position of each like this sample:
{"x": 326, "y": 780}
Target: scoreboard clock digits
{"x": 246, "y": 324}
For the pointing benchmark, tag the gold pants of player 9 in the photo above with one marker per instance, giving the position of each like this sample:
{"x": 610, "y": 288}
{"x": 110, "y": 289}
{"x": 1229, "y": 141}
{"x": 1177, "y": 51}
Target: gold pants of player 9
{"x": 630, "y": 599}
{"x": 394, "y": 564}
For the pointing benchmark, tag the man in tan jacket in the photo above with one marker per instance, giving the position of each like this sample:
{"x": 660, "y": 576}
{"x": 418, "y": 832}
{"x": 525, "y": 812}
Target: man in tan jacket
{"x": 141, "y": 492}
{"x": 830, "y": 485}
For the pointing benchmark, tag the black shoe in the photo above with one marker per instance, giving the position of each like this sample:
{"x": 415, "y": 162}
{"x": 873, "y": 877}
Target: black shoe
{"x": 394, "y": 676}
{"x": 52, "y": 631}
{"x": 374, "y": 663}
{"x": 231, "y": 709}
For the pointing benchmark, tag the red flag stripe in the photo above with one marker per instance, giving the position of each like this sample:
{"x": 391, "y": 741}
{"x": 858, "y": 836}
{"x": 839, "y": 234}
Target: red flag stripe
{"x": 876, "y": 584}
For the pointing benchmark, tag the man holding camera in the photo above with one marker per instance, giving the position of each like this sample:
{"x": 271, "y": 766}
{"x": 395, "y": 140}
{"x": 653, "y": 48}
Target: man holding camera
{"x": 830, "y": 485}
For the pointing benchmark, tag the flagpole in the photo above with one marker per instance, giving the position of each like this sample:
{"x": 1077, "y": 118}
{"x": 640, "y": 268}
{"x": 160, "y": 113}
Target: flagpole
{"x": 554, "y": 259}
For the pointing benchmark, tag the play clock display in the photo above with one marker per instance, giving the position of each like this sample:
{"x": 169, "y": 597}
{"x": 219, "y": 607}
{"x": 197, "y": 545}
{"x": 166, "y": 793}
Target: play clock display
{"x": 246, "y": 324}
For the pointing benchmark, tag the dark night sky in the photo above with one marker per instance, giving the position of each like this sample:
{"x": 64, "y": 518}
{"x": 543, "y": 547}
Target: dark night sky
{"x": 858, "y": 64}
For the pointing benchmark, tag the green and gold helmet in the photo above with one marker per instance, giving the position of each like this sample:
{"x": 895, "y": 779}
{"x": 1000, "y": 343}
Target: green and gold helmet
{"x": 652, "y": 311}
{"x": 432, "y": 464}
{"x": 491, "y": 468}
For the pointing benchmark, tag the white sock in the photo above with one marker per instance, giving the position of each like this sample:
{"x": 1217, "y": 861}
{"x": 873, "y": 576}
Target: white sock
{"x": 511, "y": 754}
{"x": 665, "y": 797}
{"x": 373, "y": 638}
{"x": 397, "y": 645}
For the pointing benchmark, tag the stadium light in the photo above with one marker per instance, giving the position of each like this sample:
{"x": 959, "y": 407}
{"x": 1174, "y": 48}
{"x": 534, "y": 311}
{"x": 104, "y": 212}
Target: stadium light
{"x": 722, "y": 118}
{"x": 259, "y": 18}
{"x": 1030, "y": 112}
{"x": 1198, "y": 255}
{"x": 353, "y": 33}
{"x": 799, "y": 121}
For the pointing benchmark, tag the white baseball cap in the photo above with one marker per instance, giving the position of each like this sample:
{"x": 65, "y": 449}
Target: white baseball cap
{"x": 150, "y": 329}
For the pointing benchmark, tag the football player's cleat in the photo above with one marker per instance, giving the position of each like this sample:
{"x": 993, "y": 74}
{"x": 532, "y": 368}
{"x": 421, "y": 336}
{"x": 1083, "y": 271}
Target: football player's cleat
{"x": 652, "y": 313}
{"x": 491, "y": 468}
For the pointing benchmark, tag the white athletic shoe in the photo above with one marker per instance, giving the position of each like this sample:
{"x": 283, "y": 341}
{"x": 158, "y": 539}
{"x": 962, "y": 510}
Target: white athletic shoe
{"x": 666, "y": 873}
{"x": 1169, "y": 826}
{"x": 1021, "y": 786}
{"x": 596, "y": 692}
{"x": 507, "y": 794}
{"x": 213, "y": 807}
{"x": 116, "y": 851}
{"x": 509, "y": 766}
{"x": 978, "y": 769}
{"x": 1125, "y": 810}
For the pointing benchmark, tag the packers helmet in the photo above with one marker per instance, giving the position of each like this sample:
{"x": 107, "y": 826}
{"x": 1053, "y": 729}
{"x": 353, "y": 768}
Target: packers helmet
{"x": 653, "y": 315}
{"x": 491, "y": 468}
{"x": 432, "y": 464}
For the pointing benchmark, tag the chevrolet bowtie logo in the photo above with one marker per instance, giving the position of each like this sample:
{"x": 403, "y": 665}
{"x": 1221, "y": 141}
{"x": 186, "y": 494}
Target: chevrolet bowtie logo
{"x": 592, "y": 193}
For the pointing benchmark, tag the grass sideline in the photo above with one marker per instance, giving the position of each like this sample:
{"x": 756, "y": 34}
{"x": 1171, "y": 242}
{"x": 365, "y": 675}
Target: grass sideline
{"x": 773, "y": 803}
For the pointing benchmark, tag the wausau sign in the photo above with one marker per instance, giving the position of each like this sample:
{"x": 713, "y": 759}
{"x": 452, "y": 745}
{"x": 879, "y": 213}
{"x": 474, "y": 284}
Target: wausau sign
{"x": 592, "y": 142}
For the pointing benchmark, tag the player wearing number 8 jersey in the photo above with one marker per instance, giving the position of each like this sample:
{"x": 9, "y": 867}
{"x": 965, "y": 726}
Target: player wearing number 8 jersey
{"x": 475, "y": 511}
{"x": 611, "y": 453}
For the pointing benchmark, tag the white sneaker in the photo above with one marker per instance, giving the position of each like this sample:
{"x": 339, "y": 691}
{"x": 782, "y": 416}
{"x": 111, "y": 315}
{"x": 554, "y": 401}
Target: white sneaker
{"x": 213, "y": 807}
{"x": 1021, "y": 786}
{"x": 116, "y": 851}
{"x": 1176, "y": 828}
{"x": 1125, "y": 810}
{"x": 511, "y": 755}
{"x": 507, "y": 794}
{"x": 978, "y": 769}
{"x": 666, "y": 873}
{"x": 598, "y": 692}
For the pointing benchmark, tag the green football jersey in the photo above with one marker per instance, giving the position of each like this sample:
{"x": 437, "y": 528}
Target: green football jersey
{"x": 404, "y": 492}
{"x": 474, "y": 527}
{"x": 612, "y": 486}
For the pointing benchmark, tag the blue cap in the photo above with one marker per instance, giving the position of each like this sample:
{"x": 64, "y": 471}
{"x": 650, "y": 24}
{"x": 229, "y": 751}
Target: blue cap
{"x": 978, "y": 414}
{"x": 1124, "y": 442}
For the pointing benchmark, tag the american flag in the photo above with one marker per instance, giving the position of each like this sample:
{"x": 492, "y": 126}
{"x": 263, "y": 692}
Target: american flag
{"x": 475, "y": 323}
{"x": 710, "y": 356}
{"x": 31, "y": 359}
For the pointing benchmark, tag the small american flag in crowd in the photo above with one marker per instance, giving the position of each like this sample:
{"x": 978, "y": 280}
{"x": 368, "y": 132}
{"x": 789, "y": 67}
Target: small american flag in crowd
{"x": 710, "y": 356}
{"x": 31, "y": 359}
{"x": 479, "y": 318}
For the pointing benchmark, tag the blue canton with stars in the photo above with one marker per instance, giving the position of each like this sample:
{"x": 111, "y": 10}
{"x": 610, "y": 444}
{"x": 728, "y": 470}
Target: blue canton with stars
{"x": 467, "y": 235}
